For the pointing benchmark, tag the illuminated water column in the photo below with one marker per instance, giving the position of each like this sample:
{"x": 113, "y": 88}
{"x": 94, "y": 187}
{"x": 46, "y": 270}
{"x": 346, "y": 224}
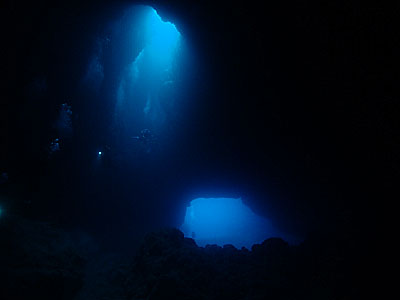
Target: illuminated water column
{"x": 141, "y": 94}
{"x": 224, "y": 221}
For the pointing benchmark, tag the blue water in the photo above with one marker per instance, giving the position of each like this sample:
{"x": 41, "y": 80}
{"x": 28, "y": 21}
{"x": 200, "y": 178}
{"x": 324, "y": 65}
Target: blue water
{"x": 143, "y": 99}
{"x": 225, "y": 221}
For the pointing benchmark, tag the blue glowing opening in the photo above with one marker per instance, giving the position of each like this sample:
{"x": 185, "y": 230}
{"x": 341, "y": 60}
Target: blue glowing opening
{"x": 162, "y": 37}
{"x": 225, "y": 221}
{"x": 144, "y": 94}
{"x": 99, "y": 152}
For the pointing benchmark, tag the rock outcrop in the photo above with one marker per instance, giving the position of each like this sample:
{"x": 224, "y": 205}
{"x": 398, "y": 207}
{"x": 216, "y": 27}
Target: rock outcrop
{"x": 170, "y": 266}
{"x": 39, "y": 261}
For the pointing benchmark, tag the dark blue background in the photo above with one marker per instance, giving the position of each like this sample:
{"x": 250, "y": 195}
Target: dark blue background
{"x": 294, "y": 109}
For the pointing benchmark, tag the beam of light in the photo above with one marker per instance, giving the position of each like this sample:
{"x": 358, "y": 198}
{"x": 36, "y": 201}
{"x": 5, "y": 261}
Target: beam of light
{"x": 142, "y": 89}
{"x": 224, "y": 221}
{"x": 162, "y": 36}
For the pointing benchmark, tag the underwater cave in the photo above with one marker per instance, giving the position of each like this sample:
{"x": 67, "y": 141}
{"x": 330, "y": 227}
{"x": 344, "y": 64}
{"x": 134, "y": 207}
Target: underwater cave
{"x": 223, "y": 221}
{"x": 181, "y": 150}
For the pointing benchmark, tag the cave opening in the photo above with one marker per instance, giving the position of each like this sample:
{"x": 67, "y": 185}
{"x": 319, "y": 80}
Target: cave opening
{"x": 223, "y": 221}
{"x": 149, "y": 85}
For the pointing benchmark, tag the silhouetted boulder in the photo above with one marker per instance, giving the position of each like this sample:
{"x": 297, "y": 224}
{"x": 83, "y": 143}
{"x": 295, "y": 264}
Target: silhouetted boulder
{"x": 168, "y": 266}
{"x": 270, "y": 246}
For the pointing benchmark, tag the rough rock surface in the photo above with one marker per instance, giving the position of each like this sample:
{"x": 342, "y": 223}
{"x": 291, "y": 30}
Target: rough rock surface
{"x": 40, "y": 261}
{"x": 169, "y": 266}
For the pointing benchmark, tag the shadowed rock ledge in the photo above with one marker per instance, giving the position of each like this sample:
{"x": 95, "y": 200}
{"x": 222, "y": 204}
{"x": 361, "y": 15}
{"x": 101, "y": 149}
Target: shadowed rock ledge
{"x": 40, "y": 261}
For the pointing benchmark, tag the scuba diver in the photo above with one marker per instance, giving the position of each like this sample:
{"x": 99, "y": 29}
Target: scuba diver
{"x": 145, "y": 135}
{"x": 146, "y": 138}
{"x": 53, "y": 147}
{"x": 63, "y": 124}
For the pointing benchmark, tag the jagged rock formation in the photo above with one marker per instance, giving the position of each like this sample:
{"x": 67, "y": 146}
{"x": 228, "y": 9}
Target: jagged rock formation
{"x": 170, "y": 266}
{"x": 40, "y": 261}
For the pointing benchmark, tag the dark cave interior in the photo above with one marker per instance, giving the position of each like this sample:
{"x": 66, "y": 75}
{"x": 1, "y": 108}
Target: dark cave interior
{"x": 291, "y": 107}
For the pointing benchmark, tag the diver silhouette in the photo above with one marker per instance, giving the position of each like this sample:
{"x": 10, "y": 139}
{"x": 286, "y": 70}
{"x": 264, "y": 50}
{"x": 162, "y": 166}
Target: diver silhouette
{"x": 146, "y": 138}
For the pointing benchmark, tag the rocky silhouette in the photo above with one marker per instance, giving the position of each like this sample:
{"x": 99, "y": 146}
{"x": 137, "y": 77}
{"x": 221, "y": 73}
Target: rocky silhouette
{"x": 40, "y": 261}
